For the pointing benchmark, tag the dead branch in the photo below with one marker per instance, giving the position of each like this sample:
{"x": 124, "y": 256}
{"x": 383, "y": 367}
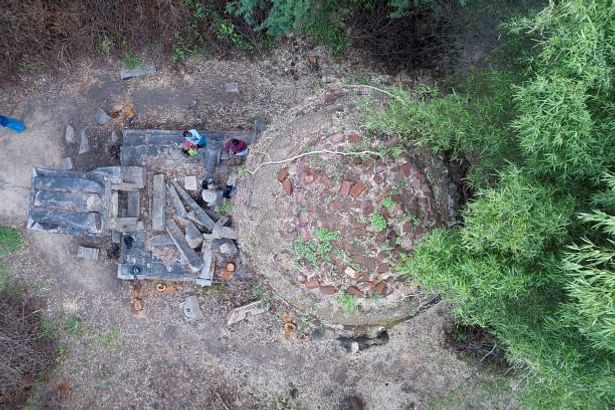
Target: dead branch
{"x": 322, "y": 151}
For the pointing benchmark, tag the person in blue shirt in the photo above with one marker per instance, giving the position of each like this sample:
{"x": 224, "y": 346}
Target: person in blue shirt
{"x": 195, "y": 138}
{"x": 12, "y": 124}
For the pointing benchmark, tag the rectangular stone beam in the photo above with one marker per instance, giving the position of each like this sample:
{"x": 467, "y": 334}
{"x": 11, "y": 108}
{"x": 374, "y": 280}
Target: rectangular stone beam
{"x": 158, "y": 202}
{"x": 189, "y": 255}
{"x": 200, "y": 214}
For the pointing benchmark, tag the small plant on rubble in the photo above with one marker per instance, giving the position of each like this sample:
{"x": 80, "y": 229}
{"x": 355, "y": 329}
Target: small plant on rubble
{"x": 379, "y": 222}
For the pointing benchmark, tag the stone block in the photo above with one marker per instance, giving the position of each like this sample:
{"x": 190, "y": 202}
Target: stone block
{"x": 190, "y": 183}
{"x": 193, "y": 236}
{"x": 232, "y": 87}
{"x": 176, "y": 202}
{"x": 84, "y": 145}
{"x": 200, "y": 214}
{"x": 228, "y": 248}
{"x": 101, "y": 116}
{"x": 158, "y": 202}
{"x": 243, "y": 312}
{"x": 69, "y": 134}
{"x": 126, "y": 74}
{"x": 187, "y": 253}
{"x": 66, "y": 163}
{"x": 87, "y": 253}
{"x": 191, "y": 309}
{"x": 224, "y": 232}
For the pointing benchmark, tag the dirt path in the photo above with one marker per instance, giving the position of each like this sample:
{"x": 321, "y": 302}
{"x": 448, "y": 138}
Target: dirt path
{"x": 112, "y": 357}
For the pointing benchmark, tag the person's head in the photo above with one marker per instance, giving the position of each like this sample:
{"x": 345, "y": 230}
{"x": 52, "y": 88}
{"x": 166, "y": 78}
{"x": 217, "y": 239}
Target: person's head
{"x": 235, "y": 141}
{"x": 186, "y": 134}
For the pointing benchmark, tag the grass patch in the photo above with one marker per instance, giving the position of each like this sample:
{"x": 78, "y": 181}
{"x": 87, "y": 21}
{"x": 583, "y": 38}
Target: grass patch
{"x": 317, "y": 250}
{"x": 346, "y": 302}
{"x": 378, "y": 222}
{"x": 264, "y": 295}
{"x": 226, "y": 208}
{"x": 10, "y": 240}
{"x": 131, "y": 61}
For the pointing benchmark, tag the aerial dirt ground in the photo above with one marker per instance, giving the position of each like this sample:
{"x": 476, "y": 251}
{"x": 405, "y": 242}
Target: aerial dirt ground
{"x": 115, "y": 358}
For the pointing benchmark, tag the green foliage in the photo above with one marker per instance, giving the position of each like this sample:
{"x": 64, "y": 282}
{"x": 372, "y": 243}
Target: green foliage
{"x": 262, "y": 294}
{"x": 10, "y": 240}
{"x": 388, "y": 203}
{"x": 105, "y": 46}
{"x": 591, "y": 266}
{"x": 346, "y": 302}
{"x": 378, "y": 222}
{"x": 225, "y": 208}
{"x": 519, "y": 264}
{"x": 317, "y": 250}
{"x": 131, "y": 60}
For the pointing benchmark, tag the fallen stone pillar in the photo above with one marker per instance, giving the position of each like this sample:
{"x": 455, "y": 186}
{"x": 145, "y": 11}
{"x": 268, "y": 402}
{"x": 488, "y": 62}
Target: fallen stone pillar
{"x": 189, "y": 255}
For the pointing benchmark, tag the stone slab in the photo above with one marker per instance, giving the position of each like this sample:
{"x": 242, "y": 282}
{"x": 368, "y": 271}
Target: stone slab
{"x": 158, "y": 202}
{"x": 200, "y": 214}
{"x": 176, "y": 202}
{"x": 191, "y": 309}
{"x": 84, "y": 145}
{"x": 69, "y": 134}
{"x": 190, "y": 183}
{"x": 224, "y": 232}
{"x": 207, "y": 274}
{"x": 67, "y": 184}
{"x": 232, "y": 87}
{"x": 193, "y": 236}
{"x": 189, "y": 255}
{"x": 126, "y": 73}
{"x": 66, "y": 163}
{"x": 133, "y": 204}
{"x": 85, "y": 252}
{"x": 101, "y": 116}
{"x": 243, "y": 312}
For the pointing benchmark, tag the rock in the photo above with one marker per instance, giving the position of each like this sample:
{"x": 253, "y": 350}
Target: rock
{"x": 312, "y": 284}
{"x": 158, "y": 201}
{"x": 101, "y": 116}
{"x": 84, "y": 145}
{"x": 287, "y": 186}
{"x": 241, "y": 313}
{"x": 231, "y": 88}
{"x": 191, "y": 309}
{"x": 351, "y": 272}
{"x": 345, "y": 188}
{"x": 283, "y": 174}
{"x": 354, "y": 138}
{"x": 357, "y": 189}
{"x": 329, "y": 79}
{"x": 354, "y": 346}
{"x": 193, "y": 236}
{"x": 190, "y": 183}
{"x": 228, "y": 248}
{"x": 188, "y": 254}
{"x": 126, "y": 74}
{"x": 328, "y": 290}
{"x": 69, "y": 134}
{"x": 223, "y": 232}
{"x": 87, "y": 253}
{"x": 206, "y": 275}
{"x": 382, "y": 268}
{"x": 405, "y": 169}
{"x": 381, "y": 288}
{"x": 114, "y": 138}
{"x": 66, "y": 163}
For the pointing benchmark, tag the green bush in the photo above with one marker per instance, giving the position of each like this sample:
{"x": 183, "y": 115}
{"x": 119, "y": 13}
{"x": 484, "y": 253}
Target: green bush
{"x": 519, "y": 263}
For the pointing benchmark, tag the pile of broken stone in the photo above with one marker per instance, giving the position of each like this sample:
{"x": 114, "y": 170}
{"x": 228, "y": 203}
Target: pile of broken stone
{"x": 202, "y": 236}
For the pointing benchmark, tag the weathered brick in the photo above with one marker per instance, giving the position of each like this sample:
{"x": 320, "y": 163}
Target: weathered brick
{"x": 345, "y": 188}
{"x": 357, "y": 189}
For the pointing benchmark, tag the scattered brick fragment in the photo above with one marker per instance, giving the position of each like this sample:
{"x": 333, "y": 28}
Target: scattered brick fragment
{"x": 353, "y": 290}
{"x": 328, "y": 290}
{"x": 345, "y": 188}
{"x": 312, "y": 284}
{"x": 354, "y": 138}
{"x": 357, "y": 189}
{"x": 288, "y": 186}
{"x": 283, "y": 174}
